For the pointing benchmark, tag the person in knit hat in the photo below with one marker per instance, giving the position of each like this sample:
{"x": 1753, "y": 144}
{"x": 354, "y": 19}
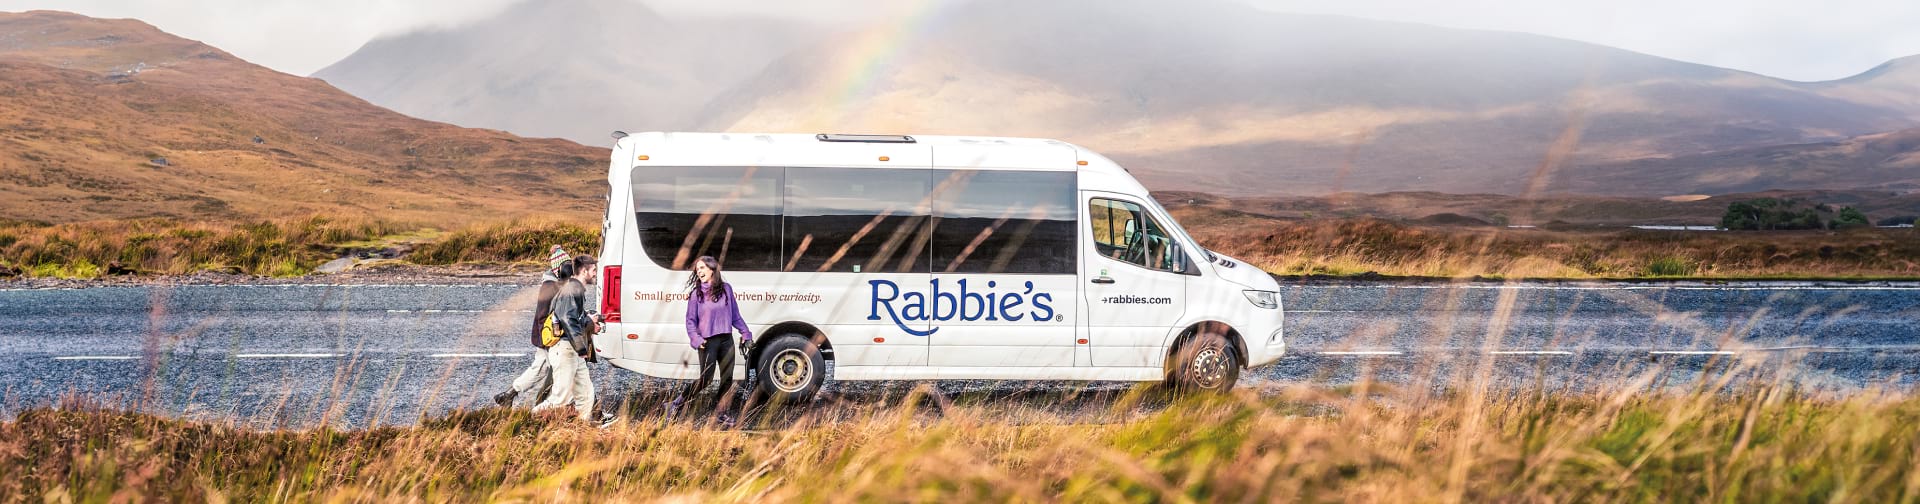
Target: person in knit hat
{"x": 540, "y": 372}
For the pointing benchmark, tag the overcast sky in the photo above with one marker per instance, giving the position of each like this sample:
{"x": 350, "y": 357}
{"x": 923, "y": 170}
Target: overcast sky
{"x": 1793, "y": 39}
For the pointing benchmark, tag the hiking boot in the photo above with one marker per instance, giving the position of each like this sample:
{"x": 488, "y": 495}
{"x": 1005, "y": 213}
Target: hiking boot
{"x": 505, "y": 399}
{"x": 726, "y": 421}
{"x": 607, "y": 420}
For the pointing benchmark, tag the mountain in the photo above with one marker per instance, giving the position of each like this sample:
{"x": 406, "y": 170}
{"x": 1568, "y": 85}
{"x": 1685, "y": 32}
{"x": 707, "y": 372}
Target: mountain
{"x": 571, "y": 68}
{"x": 1221, "y": 97}
{"x": 1552, "y": 211}
{"x": 1886, "y": 160}
{"x": 1205, "y": 95}
{"x": 1894, "y": 84}
{"x": 110, "y": 119}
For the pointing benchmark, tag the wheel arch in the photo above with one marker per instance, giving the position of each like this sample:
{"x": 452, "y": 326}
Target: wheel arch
{"x": 1234, "y": 341}
{"x": 793, "y": 328}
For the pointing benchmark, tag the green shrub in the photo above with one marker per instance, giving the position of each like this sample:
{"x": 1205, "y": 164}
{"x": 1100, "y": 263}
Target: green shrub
{"x": 1850, "y": 218}
{"x": 1670, "y": 266}
{"x": 1772, "y": 214}
{"x": 510, "y": 242}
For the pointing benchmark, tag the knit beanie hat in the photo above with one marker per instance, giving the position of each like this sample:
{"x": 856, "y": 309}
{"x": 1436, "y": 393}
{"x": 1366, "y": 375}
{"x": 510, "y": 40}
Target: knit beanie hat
{"x": 557, "y": 256}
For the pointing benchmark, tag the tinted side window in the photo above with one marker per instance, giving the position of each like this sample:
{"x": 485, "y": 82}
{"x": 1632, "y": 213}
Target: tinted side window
{"x": 856, "y": 220}
{"x": 1125, "y": 232}
{"x": 730, "y": 213}
{"x": 993, "y": 221}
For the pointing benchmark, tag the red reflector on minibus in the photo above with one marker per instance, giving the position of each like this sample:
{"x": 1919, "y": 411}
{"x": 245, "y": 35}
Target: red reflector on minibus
{"x": 633, "y": 336}
{"x": 610, "y": 293}
{"x": 879, "y": 340}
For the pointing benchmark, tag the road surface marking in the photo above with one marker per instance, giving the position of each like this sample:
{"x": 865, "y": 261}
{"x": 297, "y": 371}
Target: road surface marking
{"x": 286, "y": 355}
{"x": 1785, "y": 348}
{"x": 96, "y": 357}
{"x": 458, "y": 355}
{"x": 1691, "y": 352}
{"x": 1532, "y": 352}
{"x": 460, "y": 311}
{"x": 1363, "y": 352}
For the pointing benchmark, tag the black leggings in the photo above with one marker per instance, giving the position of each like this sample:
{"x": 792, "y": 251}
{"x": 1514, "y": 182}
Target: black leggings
{"x": 716, "y": 361}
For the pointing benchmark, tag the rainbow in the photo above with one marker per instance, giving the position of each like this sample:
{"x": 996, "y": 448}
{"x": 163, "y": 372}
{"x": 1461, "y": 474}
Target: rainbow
{"x": 871, "y": 56}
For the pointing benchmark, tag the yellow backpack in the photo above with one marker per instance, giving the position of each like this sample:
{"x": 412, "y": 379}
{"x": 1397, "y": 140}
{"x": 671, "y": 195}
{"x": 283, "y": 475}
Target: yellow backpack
{"x": 550, "y": 332}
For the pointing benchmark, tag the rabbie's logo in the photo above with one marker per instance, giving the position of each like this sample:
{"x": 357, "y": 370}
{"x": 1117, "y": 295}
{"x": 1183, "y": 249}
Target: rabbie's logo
{"x": 969, "y": 306}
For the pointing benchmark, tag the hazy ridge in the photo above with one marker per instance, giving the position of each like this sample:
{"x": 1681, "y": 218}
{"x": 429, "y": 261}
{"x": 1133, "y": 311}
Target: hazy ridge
{"x": 1205, "y": 95}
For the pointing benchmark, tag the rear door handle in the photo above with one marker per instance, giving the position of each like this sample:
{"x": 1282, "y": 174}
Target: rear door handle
{"x": 1103, "y": 280}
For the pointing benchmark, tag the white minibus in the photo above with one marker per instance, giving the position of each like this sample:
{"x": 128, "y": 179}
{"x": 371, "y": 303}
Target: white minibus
{"x": 919, "y": 258}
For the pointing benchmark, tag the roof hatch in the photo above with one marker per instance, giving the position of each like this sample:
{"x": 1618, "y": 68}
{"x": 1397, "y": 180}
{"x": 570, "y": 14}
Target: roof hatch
{"x": 832, "y": 137}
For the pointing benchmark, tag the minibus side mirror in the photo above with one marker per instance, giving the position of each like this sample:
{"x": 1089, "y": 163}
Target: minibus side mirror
{"x": 1178, "y": 259}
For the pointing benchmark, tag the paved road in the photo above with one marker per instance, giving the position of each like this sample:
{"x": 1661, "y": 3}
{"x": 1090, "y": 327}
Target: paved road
{"x": 383, "y": 354}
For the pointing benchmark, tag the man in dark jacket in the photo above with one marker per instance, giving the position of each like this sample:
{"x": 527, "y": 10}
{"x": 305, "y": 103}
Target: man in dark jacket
{"x": 572, "y": 383}
{"x": 539, "y": 373}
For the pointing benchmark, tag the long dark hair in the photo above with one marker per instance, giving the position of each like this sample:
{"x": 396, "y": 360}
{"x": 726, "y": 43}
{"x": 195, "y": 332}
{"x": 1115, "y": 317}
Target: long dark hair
{"x": 693, "y": 281}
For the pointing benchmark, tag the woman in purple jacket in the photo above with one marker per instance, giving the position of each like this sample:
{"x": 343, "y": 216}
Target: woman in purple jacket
{"x": 712, "y": 319}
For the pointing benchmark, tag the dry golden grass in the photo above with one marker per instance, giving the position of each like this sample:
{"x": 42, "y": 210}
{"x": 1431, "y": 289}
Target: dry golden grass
{"x": 1345, "y": 247}
{"x": 1342, "y": 247}
{"x": 274, "y": 248}
{"x": 1302, "y": 443}
{"x": 281, "y": 247}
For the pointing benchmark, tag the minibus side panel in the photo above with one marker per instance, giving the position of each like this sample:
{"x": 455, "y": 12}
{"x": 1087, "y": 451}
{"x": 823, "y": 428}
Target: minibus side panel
{"x": 1003, "y": 254}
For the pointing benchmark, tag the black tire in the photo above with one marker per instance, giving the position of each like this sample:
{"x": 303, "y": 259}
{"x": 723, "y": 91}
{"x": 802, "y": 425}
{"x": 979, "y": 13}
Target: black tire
{"x": 1206, "y": 364}
{"x": 790, "y": 370}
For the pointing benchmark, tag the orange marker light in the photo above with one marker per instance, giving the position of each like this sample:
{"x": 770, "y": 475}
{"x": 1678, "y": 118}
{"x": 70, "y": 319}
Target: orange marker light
{"x": 884, "y": 158}
{"x": 643, "y": 157}
{"x": 1082, "y": 163}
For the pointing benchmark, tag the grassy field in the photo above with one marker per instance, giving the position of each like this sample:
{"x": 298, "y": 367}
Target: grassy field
{"x": 1300, "y": 443}
{"x": 1346, "y": 247}
{"x": 1365, "y": 246}
{"x": 273, "y": 248}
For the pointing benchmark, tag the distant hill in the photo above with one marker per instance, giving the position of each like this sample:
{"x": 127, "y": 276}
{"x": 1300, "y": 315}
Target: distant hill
{"x": 1895, "y": 84}
{"x": 110, "y": 119}
{"x": 1888, "y": 161}
{"x": 1493, "y": 209}
{"x": 1205, "y": 95}
{"x": 567, "y": 68}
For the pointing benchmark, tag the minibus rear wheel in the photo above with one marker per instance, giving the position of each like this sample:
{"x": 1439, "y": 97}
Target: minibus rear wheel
{"x": 791, "y": 370}
{"x": 1206, "y": 363}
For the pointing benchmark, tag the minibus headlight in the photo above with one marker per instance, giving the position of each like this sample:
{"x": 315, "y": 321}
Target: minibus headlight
{"x": 1264, "y": 299}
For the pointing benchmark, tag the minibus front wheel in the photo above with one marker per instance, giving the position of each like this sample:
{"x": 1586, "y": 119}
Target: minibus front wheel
{"x": 1207, "y": 363}
{"x": 791, "y": 370}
